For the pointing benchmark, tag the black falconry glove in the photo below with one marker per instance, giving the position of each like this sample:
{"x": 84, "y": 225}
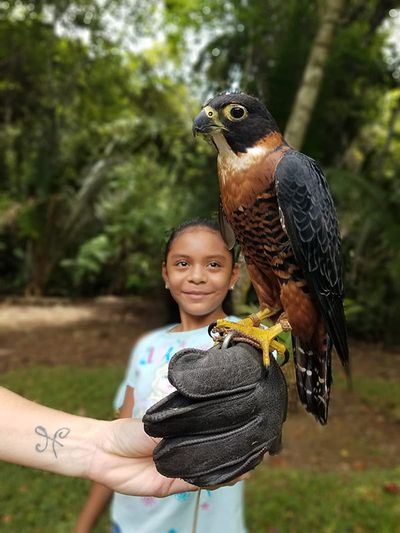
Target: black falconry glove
{"x": 227, "y": 412}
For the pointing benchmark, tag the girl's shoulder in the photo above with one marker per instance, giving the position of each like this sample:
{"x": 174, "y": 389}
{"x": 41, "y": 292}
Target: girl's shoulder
{"x": 151, "y": 336}
{"x": 167, "y": 334}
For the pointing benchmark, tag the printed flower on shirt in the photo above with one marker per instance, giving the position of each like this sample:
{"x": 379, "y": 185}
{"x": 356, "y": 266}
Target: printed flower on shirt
{"x": 149, "y": 501}
{"x": 182, "y": 496}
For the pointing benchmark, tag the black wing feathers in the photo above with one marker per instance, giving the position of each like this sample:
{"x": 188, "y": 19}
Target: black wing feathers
{"x": 310, "y": 221}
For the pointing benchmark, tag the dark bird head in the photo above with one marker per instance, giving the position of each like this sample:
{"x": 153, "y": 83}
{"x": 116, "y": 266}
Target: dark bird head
{"x": 242, "y": 119}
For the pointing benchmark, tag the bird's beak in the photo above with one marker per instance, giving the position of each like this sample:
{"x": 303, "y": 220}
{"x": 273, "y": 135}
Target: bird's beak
{"x": 203, "y": 124}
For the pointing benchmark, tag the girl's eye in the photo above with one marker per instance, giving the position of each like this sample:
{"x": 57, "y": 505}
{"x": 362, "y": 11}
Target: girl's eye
{"x": 214, "y": 264}
{"x": 182, "y": 263}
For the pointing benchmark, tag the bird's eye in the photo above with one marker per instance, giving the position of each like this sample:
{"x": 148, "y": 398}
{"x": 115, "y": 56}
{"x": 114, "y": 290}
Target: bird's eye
{"x": 235, "y": 112}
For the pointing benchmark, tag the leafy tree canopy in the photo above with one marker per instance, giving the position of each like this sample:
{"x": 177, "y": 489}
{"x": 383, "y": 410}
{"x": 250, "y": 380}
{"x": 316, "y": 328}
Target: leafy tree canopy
{"x": 96, "y": 154}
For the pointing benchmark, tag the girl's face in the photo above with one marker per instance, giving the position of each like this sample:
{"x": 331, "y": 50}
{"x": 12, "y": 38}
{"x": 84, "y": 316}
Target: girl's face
{"x": 199, "y": 273}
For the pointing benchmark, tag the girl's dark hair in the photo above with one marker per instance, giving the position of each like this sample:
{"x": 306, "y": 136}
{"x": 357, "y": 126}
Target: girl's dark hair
{"x": 192, "y": 223}
{"x": 198, "y": 222}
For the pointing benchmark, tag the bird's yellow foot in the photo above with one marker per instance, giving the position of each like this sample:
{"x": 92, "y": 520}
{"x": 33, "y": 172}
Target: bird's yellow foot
{"x": 250, "y": 330}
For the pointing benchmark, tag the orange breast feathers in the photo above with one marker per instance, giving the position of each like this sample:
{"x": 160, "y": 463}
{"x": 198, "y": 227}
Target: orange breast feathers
{"x": 244, "y": 176}
{"x": 306, "y": 321}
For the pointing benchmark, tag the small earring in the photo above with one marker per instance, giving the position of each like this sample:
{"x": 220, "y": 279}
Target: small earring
{"x": 166, "y": 286}
{"x": 233, "y": 286}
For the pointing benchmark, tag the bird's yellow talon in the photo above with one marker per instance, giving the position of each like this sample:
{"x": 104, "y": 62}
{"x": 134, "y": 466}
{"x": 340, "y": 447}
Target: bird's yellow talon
{"x": 250, "y": 327}
{"x": 266, "y": 312}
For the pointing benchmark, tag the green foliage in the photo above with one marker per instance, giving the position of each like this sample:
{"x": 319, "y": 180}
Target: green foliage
{"x": 35, "y": 502}
{"x": 381, "y": 394}
{"x": 299, "y": 500}
{"x": 347, "y": 103}
{"x": 55, "y": 99}
{"x": 368, "y": 200}
{"x": 370, "y": 225}
{"x": 256, "y": 52}
{"x": 79, "y": 390}
{"x": 92, "y": 255}
{"x": 98, "y": 154}
{"x": 97, "y": 158}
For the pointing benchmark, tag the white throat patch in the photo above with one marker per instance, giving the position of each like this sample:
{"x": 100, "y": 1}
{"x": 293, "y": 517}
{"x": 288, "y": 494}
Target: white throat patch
{"x": 229, "y": 162}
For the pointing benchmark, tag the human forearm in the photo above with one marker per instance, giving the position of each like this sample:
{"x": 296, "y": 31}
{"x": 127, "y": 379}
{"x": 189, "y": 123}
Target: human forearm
{"x": 41, "y": 437}
{"x": 117, "y": 454}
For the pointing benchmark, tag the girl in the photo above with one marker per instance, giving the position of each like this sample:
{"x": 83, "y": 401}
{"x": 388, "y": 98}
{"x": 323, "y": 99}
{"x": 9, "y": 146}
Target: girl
{"x": 198, "y": 270}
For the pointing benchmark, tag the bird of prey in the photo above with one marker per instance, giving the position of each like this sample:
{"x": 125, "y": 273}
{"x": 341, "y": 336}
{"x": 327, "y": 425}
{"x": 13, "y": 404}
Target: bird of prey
{"x": 277, "y": 202}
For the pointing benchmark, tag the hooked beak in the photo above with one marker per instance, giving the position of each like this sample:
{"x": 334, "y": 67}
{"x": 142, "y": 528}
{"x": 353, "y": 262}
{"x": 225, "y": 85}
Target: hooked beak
{"x": 205, "y": 125}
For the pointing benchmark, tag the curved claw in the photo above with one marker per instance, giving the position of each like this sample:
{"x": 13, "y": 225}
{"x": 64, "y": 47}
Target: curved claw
{"x": 211, "y": 327}
{"x": 228, "y": 337}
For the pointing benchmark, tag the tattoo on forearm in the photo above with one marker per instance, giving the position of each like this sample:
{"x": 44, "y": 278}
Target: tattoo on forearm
{"x": 59, "y": 434}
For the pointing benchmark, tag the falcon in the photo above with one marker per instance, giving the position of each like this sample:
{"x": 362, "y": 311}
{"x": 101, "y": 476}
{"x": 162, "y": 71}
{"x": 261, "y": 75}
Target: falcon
{"x": 277, "y": 202}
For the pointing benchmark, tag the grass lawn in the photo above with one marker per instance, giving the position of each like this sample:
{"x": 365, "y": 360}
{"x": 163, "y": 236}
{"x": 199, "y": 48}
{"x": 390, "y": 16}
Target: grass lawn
{"x": 278, "y": 499}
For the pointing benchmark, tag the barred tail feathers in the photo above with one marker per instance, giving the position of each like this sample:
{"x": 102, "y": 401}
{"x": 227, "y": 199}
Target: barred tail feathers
{"x": 314, "y": 379}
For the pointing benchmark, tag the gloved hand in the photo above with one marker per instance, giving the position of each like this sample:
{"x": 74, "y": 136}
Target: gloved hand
{"x": 227, "y": 412}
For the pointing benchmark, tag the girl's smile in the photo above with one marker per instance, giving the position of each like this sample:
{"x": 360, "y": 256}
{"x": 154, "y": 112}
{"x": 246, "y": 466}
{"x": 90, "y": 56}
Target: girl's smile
{"x": 195, "y": 294}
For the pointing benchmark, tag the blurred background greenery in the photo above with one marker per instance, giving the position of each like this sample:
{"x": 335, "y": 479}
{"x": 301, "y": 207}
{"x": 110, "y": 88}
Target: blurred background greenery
{"x": 97, "y": 159}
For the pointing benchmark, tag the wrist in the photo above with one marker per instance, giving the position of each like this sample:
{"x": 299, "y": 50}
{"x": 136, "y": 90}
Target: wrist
{"x": 68, "y": 447}
{"x": 92, "y": 451}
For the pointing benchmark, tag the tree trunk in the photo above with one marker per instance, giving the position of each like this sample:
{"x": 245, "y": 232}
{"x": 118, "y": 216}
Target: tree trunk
{"x": 307, "y": 94}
